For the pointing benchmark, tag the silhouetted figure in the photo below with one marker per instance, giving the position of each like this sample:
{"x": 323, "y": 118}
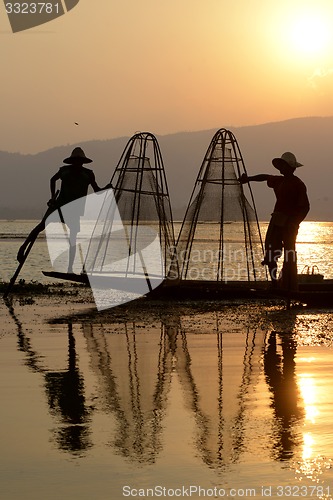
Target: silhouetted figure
{"x": 291, "y": 207}
{"x": 75, "y": 181}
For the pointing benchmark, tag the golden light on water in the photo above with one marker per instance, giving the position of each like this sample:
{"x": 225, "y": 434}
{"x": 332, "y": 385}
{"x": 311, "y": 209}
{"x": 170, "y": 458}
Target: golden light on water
{"x": 315, "y": 232}
{"x": 308, "y": 442}
{"x": 314, "y": 248}
{"x": 309, "y": 393}
{"x": 314, "y": 381}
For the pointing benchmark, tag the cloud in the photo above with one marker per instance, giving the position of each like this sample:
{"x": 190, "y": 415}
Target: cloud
{"x": 320, "y": 78}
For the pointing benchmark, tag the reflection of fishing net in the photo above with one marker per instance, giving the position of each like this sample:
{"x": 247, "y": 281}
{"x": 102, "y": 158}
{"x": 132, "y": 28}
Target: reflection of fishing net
{"x": 220, "y": 235}
{"x": 134, "y": 372}
{"x": 133, "y": 234}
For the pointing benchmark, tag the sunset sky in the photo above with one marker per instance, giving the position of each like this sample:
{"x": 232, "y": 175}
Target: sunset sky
{"x": 163, "y": 66}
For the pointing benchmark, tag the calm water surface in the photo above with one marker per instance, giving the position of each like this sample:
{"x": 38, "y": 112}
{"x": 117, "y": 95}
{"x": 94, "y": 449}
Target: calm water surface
{"x": 237, "y": 399}
{"x": 314, "y": 249}
{"x": 176, "y": 401}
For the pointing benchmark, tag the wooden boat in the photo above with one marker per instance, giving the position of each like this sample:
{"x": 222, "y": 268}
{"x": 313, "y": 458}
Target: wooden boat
{"x": 312, "y": 294}
{"x": 134, "y": 284}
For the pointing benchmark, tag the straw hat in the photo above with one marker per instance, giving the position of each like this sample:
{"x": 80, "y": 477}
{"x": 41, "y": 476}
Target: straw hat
{"x": 77, "y": 156}
{"x": 287, "y": 159}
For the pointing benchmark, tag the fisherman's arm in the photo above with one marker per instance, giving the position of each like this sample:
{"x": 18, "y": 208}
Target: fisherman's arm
{"x": 257, "y": 178}
{"x": 96, "y": 187}
{"x": 53, "y": 183}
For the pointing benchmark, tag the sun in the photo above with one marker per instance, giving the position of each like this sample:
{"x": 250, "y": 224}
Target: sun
{"x": 309, "y": 34}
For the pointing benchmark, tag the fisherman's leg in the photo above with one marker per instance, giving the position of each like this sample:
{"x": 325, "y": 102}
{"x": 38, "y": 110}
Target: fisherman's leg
{"x": 268, "y": 244}
{"x": 289, "y": 270}
{"x": 273, "y": 266}
{"x": 72, "y": 249}
{"x": 273, "y": 251}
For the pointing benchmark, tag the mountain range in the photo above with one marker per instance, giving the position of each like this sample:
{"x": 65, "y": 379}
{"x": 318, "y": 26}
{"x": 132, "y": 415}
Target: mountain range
{"x": 24, "y": 189}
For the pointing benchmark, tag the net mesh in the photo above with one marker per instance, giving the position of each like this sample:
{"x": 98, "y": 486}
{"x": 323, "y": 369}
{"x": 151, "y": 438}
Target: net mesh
{"x": 134, "y": 226}
{"x": 220, "y": 235}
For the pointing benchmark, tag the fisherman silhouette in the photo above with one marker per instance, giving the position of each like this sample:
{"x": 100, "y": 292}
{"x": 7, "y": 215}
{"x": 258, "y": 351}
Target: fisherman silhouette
{"x": 291, "y": 207}
{"x": 75, "y": 181}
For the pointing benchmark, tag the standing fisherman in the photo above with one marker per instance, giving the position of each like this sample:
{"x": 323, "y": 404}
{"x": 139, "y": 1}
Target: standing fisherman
{"x": 291, "y": 207}
{"x": 75, "y": 181}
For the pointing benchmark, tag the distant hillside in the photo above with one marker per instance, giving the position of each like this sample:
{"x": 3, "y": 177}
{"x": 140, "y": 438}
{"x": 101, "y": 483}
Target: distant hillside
{"x": 24, "y": 190}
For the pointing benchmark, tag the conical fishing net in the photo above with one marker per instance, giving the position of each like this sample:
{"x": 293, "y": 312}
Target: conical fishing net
{"x": 220, "y": 235}
{"x": 133, "y": 235}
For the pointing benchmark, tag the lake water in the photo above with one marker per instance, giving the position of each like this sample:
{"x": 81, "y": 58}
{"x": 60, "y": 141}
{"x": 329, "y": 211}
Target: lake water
{"x": 187, "y": 400}
{"x": 314, "y": 248}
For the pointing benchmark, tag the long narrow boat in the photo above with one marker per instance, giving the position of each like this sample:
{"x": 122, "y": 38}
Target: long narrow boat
{"x": 313, "y": 294}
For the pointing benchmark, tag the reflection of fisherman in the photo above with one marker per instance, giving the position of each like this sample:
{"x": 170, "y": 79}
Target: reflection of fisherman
{"x": 75, "y": 181}
{"x": 280, "y": 376}
{"x": 65, "y": 391}
{"x": 292, "y": 206}
{"x": 66, "y": 399}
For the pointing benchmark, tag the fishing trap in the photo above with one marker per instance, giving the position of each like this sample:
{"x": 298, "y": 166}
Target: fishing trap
{"x": 134, "y": 234}
{"x": 220, "y": 238}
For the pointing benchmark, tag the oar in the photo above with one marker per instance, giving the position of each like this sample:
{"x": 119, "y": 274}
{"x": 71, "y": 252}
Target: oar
{"x": 17, "y": 272}
{"x": 25, "y": 255}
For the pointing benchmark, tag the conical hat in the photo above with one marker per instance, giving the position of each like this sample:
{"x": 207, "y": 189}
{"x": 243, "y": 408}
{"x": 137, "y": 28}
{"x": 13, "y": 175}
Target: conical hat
{"x": 287, "y": 158}
{"x": 77, "y": 156}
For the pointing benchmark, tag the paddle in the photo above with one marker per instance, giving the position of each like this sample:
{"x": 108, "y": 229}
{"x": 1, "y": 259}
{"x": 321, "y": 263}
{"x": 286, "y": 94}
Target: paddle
{"x": 26, "y": 253}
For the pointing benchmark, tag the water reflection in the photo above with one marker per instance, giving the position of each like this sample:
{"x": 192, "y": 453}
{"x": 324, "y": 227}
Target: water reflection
{"x": 243, "y": 392}
{"x": 134, "y": 369}
{"x": 65, "y": 397}
{"x": 218, "y": 378}
{"x": 64, "y": 390}
{"x": 279, "y": 364}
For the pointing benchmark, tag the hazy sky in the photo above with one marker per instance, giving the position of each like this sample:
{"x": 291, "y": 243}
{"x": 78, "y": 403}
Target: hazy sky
{"x": 163, "y": 66}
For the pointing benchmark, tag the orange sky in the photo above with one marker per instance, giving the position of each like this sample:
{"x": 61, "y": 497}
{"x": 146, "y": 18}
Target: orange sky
{"x": 163, "y": 66}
